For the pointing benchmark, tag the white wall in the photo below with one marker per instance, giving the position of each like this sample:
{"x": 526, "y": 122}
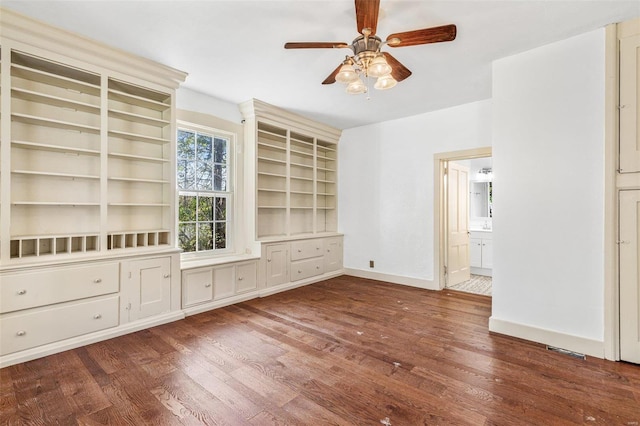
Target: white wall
{"x": 385, "y": 187}
{"x": 191, "y": 100}
{"x": 548, "y": 154}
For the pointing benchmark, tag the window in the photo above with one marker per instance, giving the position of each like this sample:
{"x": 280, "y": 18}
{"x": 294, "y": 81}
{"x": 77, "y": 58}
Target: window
{"x": 204, "y": 190}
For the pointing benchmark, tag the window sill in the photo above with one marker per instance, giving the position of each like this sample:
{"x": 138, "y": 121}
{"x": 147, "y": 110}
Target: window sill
{"x": 213, "y": 261}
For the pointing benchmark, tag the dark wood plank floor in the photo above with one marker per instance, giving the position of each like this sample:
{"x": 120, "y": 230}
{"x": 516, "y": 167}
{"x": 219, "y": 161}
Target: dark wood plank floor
{"x": 347, "y": 351}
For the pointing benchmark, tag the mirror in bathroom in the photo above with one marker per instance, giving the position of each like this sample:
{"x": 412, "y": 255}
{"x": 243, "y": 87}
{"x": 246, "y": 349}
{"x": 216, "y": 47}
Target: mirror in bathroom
{"x": 480, "y": 200}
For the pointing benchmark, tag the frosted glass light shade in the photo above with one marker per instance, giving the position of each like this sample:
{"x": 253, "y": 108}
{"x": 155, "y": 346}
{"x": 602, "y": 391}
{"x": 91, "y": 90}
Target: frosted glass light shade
{"x": 347, "y": 74}
{"x": 385, "y": 82}
{"x": 379, "y": 67}
{"x": 356, "y": 87}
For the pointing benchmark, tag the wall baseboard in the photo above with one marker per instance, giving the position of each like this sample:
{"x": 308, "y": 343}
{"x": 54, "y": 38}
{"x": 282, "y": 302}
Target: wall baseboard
{"x": 570, "y": 342}
{"x": 395, "y": 279}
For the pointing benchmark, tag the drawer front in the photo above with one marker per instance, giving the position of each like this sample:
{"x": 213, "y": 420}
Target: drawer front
{"x": 306, "y": 249}
{"x": 307, "y": 268}
{"x": 33, "y": 289}
{"x": 246, "y": 277}
{"x": 20, "y": 331}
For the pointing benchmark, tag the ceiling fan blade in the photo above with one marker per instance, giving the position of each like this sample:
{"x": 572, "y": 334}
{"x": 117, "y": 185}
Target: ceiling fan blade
{"x": 367, "y": 15}
{"x": 424, "y": 36}
{"x": 398, "y": 71}
{"x": 315, "y": 45}
{"x": 332, "y": 77}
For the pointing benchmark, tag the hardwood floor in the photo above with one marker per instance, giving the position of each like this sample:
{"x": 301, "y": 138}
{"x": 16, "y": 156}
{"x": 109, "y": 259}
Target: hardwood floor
{"x": 347, "y": 351}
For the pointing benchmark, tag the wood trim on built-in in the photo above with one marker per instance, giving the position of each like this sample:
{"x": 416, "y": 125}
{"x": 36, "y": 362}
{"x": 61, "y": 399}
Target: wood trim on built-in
{"x": 611, "y": 120}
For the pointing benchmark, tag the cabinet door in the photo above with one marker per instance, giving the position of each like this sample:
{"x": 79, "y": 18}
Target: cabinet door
{"x": 475, "y": 252}
{"x": 333, "y": 254}
{"x": 277, "y": 261}
{"x": 629, "y": 97}
{"x": 223, "y": 282}
{"x": 629, "y": 276}
{"x": 487, "y": 254}
{"x": 246, "y": 277}
{"x": 149, "y": 287}
{"x": 197, "y": 287}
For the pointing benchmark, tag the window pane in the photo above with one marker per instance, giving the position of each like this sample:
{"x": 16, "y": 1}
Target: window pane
{"x": 187, "y": 236}
{"x": 203, "y": 173}
{"x": 205, "y": 236}
{"x": 220, "y": 150}
{"x": 186, "y": 145}
{"x": 205, "y": 209}
{"x": 221, "y": 208}
{"x": 204, "y": 148}
{"x": 220, "y": 176}
{"x": 187, "y": 208}
{"x": 221, "y": 235}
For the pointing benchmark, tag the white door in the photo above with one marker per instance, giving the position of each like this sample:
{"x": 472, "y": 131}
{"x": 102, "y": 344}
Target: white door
{"x": 457, "y": 224}
{"x": 629, "y": 277}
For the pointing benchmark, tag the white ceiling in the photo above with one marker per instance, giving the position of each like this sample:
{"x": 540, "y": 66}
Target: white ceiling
{"x": 233, "y": 50}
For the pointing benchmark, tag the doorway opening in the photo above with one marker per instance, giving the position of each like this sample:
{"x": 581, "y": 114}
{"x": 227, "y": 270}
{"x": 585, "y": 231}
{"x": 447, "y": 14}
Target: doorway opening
{"x": 463, "y": 213}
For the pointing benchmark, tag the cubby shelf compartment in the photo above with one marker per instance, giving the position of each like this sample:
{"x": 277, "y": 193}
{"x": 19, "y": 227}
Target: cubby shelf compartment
{"x": 57, "y": 124}
{"x": 138, "y": 239}
{"x": 137, "y": 137}
{"x": 57, "y": 80}
{"x": 138, "y": 100}
{"x": 53, "y": 148}
{"x": 138, "y": 118}
{"x": 54, "y": 174}
{"x": 138, "y": 157}
{"x": 43, "y": 245}
{"x": 29, "y": 95}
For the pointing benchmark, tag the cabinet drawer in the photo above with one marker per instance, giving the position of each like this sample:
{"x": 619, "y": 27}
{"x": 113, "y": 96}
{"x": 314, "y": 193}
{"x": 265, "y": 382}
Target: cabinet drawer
{"x": 46, "y": 287}
{"x": 306, "y": 249}
{"x": 19, "y": 331}
{"x": 307, "y": 268}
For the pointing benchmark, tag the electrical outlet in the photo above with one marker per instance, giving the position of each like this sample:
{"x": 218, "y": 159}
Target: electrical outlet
{"x": 371, "y": 264}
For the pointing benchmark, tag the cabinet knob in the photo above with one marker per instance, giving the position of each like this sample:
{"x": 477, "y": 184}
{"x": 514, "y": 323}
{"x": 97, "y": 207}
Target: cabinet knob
{"x": 21, "y": 333}
{"x": 317, "y": 267}
{"x": 97, "y": 316}
{"x": 317, "y": 248}
{"x": 21, "y": 292}
{"x": 268, "y": 260}
{"x": 207, "y": 285}
{"x": 299, "y": 250}
{"x": 97, "y": 280}
{"x": 167, "y": 275}
{"x": 299, "y": 271}
{"x": 240, "y": 278}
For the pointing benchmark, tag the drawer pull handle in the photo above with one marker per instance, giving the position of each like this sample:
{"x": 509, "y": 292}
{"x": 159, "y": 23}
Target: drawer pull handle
{"x": 97, "y": 280}
{"x": 21, "y": 333}
{"x": 207, "y": 285}
{"x": 167, "y": 275}
{"x": 21, "y": 292}
{"x": 97, "y": 316}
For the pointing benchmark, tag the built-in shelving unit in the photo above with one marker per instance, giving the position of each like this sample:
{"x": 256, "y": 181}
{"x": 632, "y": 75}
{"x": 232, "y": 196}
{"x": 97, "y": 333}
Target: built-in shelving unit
{"x": 89, "y": 166}
{"x": 296, "y": 173}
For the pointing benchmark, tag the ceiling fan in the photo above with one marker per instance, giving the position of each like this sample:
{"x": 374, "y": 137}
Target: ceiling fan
{"x": 367, "y": 59}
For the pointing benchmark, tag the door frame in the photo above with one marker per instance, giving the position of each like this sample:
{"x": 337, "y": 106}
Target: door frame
{"x": 440, "y": 206}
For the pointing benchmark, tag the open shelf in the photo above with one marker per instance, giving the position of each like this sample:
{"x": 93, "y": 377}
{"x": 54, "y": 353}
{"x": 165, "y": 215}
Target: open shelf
{"x": 54, "y": 148}
{"x": 58, "y": 124}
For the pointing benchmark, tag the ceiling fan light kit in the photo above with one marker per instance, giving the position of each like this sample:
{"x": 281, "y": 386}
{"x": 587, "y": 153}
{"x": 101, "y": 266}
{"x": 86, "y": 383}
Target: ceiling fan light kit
{"x": 368, "y": 61}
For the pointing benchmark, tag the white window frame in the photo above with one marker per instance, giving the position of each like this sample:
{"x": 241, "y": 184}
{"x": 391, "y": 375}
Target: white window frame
{"x": 229, "y": 194}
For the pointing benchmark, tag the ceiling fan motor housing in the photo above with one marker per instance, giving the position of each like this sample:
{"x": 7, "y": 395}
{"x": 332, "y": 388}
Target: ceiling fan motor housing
{"x": 365, "y": 49}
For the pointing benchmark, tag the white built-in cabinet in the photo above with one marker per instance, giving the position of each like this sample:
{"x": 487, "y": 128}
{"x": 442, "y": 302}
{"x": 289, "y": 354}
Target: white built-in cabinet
{"x": 87, "y": 191}
{"x": 208, "y": 287}
{"x": 481, "y": 252}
